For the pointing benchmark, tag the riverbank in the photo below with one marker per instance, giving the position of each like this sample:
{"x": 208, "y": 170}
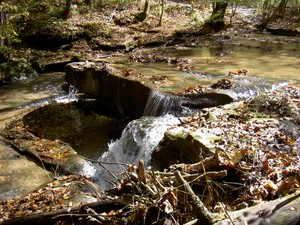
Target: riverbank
{"x": 142, "y": 196}
{"x": 248, "y": 156}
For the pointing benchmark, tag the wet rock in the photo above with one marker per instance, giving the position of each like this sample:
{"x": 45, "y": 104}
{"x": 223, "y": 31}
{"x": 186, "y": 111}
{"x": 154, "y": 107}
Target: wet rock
{"x": 104, "y": 81}
{"x": 58, "y": 66}
{"x": 16, "y": 173}
{"x": 222, "y": 84}
{"x": 285, "y": 32}
{"x": 183, "y": 146}
{"x": 204, "y": 100}
{"x": 129, "y": 93}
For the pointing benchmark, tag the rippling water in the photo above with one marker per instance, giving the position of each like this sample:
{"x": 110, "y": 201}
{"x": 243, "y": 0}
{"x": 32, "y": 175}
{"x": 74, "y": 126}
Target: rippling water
{"x": 275, "y": 62}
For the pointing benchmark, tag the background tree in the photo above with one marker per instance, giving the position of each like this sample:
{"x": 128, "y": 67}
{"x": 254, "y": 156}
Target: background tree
{"x": 67, "y": 9}
{"x": 216, "y": 21}
{"x": 140, "y": 17}
{"x": 2, "y": 24}
{"x": 8, "y": 34}
{"x": 271, "y": 12}
{"x": 162, "y": 4}
{"x": 88, "y": 2}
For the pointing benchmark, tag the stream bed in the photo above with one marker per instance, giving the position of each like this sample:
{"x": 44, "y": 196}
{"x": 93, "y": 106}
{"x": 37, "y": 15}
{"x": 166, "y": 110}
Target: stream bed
{"x": 270, "y": 66}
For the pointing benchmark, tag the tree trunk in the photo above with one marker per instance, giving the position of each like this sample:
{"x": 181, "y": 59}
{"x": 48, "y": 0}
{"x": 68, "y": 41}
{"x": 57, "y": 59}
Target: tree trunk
{"x": 265, "y": 8}
{"x": 140, "y": 17}
{"x": 2, "y": 25}
{"x": 281, "y": 8}
{"x": 233, "y": 12}
{"x": 161, "y": 12}
{"x": 216, "y": 21}
{"x": 67, "y": 10}
{"x": 88, "y": 2}
{"x": 277, "y": 12}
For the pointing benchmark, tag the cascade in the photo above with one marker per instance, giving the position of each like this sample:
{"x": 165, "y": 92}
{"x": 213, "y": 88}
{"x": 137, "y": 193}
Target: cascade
{"x": 70, "y": 97}
{"x": 137, "y": 142}
{"x": 160, "y": 104}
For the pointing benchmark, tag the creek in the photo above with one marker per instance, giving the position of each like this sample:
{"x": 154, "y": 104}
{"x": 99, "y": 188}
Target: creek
{"x": 270, "y": 66}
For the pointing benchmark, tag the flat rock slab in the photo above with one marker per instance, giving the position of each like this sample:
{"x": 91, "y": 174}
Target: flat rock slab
{"x": 51, "y": 153}
{"x": 16, "y": 176}
{"x": 129, "y": 92}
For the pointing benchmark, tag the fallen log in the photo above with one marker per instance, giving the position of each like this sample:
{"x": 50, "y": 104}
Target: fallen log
{"x": 284, "y": 210}
{"x": 49, "y": 218}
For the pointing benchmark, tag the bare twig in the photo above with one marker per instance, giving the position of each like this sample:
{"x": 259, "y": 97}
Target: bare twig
{"x": 141, "y": 172}
{"x": 201, "y": 212}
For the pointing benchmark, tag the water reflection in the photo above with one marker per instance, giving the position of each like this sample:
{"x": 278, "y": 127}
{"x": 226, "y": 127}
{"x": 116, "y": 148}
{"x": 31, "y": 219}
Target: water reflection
{"x": 276, "y": 62}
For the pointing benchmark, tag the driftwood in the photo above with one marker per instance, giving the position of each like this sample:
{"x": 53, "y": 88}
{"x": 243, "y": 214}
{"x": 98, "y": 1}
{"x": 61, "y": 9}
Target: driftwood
{"x": 281, "y": 211}
{"x": 207, "y": 164}
{"x": 199, "y": 209}
{"x": 49, "y": 218}
{"x": 141, "y": 172}
{"x": 195, "y": 178}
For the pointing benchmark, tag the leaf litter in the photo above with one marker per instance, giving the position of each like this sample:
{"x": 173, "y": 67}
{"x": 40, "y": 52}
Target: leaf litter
{"x": 256, "y": 159}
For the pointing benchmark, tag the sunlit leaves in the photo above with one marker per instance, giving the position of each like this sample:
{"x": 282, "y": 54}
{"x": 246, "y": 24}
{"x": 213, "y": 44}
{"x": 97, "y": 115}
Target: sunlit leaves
{"x": 53, "y": 196}
{"x": 258, "y": 145}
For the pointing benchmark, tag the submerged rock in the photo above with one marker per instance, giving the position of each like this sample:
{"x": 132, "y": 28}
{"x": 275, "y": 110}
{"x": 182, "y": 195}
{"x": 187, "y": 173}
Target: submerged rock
{"x": 52, "y": 134}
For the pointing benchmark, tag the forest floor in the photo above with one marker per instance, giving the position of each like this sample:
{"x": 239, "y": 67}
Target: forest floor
{"x": 112, "y": 31}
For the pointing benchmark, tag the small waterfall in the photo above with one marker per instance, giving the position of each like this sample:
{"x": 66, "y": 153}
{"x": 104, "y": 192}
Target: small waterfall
{"x": 159, "y": 104}
{"x": 137, "y": 142}
{"x": 70, "y": 97}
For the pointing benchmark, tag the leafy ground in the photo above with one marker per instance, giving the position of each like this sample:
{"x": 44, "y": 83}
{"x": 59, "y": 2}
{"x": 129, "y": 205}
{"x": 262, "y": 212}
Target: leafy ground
{"x": 110, "y": 30}
{"x": 264, "y": 170}
{"x": 256, "y": 160}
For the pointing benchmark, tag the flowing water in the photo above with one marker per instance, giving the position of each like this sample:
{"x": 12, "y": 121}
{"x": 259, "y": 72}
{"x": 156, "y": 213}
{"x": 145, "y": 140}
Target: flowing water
{"x": 137, "y": 142}
{"x": 270, "y": 66}
{"x": 16, "y": 170}
{"x": 31, "y": 93}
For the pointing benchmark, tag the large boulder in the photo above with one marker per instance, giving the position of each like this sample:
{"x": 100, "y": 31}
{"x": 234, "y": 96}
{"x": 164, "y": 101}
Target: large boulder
{"x": 184, "y": 146}
{"x": 130, "y": 93}
{"x": 102, "y": 80}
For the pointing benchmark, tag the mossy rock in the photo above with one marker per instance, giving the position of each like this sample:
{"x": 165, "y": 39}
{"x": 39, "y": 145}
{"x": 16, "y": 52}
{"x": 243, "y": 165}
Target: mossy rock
{"x": 17, "y": 69}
